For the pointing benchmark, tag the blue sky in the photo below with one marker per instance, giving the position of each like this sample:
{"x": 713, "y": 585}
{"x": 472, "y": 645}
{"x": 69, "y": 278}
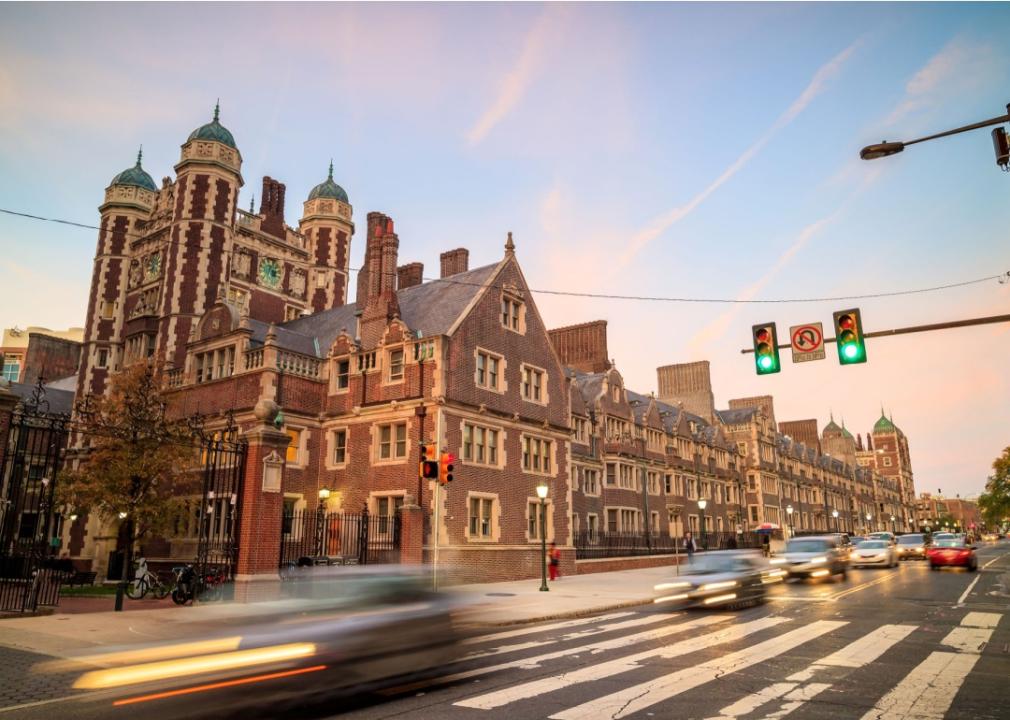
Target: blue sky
{"x": 705, "y": 150}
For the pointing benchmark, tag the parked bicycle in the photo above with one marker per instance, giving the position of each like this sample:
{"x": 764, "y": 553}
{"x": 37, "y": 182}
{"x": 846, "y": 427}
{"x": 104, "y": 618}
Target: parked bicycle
{"x": 145, "y": 581}
{"x": 191, "y": 585}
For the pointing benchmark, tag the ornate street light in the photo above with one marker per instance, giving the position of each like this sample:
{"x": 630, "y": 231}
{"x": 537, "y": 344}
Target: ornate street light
{"x": 542, "y": 494}
{"x": 789, "y": 512}
{"x": 834, "y": 514}
{"x": 868, "y": 518}
{"x": 893, "y": 529}
{"x": 324, "y": 495}
{"x": 702, "y": 504}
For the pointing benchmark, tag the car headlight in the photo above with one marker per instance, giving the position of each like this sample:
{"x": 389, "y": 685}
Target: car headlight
{"x": 717, "y": 585}
{"x": 778, "y": 561}
{"x": 818, "y": 560}
{"x": 672, "y": 585}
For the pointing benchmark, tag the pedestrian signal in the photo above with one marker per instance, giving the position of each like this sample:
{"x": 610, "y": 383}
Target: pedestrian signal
{"x": 849, "y": 337}
{"x": 766, "y": 349}
{"x": 445, "y": 468}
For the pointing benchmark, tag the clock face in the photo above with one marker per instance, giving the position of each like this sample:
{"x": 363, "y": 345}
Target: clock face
{"x": 154, "y": 265}
{"x": 270, "y": 272}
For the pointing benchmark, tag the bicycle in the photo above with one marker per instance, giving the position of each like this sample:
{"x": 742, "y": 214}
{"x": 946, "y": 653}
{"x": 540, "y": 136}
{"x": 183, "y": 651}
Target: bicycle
{"x": 146, "y": 581}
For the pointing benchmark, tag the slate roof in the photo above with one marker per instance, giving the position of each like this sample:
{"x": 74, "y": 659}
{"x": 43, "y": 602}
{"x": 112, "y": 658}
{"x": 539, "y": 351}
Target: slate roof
{"x": 60, "y": 401}
{"x": 736, "y": 416}
{"x": 431, "y": 308}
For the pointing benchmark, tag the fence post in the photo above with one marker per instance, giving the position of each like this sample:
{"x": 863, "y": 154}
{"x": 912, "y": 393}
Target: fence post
{"x": 410, "y": 532}
{"x": 363, "y": 533}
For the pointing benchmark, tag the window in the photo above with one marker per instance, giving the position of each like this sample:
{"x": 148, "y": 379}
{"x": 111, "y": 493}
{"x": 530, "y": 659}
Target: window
{"x": 488, "y": 370}
{"x": 668, "y": 484}
{"x": 511, "y": 310}
{"x": 611, "y": 474}
{"x": 366, "y": 361}
{"x": 215, "y": 364}
{"x": 692, "y": 522}
{"x": 533, "y": 384}
{"x": 11, "y": 369}
{"x": 480, "y": 517}
{"x": 108, "y": 309}
{"x": 103, "y": 358}
{"x": 534, "y": 520}
{"x": 626, "y": 477}
{"x": 343, "y": 374}
{"x": 887, "y": 462}
{"x": 321, "y": 279}
{"x": 294, "y": 444}
{"x": 575, "y": 524}
{"x": 339, "y": 447}
{"x": 393, "y": 441}
{"x": 238, "y": 298}
{"x": 653, "y": 478}
{"x": 396, "y": 365}
{"x": 591, "y": 481}
{"x": 654, "y": 522}
{"x": 480, "y": 444}
{"x": 592, "y": 527}
{"x": 631, "y": 520}
{"x": 581, "y": 430}
{"x": 386, "y": 507}
{"x": 612, "y": 526}
{"x": 753, "y": 513}
{"x": 536, "y": 454}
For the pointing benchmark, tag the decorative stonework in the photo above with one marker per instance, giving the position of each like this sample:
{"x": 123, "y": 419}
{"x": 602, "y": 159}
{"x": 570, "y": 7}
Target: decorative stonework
{"x": 242, "y": 264}
{"x": 298, "y": 283}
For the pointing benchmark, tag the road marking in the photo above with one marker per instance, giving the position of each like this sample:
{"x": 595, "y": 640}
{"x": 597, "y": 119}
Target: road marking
{"x": 544, "y": 628}
{"x": 994, "y": 560}
{"x": 971, "y": 585}
{"x": 856, "y": 589}
{"x": 967, "y": 639}
{"x": 636, "y": 622}
{"x": 536, "y": 688}
{"x": 633, "y": 699}
{"x": 981, "y": 619}
{"x": 854, "y": 655}
{"x": 600, "y": 646}
{"x": 927, "y": 692}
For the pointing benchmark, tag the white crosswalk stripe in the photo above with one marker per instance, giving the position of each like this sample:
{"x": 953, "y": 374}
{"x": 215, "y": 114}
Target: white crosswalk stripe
{"x": 618, "y": 666}
{"x": 644, "y": 695}
{"x": 506, "y": 634}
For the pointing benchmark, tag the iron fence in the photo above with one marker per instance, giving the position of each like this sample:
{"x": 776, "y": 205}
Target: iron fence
{"x": 597, "y": 545}
{"x": 318, "y": 537}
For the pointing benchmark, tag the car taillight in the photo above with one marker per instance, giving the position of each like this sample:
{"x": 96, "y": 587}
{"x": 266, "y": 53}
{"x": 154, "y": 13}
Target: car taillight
{"x": 963, "y": 553}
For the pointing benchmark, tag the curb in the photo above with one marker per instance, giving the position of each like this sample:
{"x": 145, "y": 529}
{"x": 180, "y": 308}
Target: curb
{"x": 585, "y": 612}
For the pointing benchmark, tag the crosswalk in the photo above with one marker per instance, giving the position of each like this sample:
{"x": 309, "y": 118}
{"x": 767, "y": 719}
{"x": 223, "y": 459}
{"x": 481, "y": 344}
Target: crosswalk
{"x": 640, "y": 665}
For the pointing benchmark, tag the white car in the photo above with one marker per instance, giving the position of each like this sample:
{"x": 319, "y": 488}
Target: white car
{"x": 874, "y": 552}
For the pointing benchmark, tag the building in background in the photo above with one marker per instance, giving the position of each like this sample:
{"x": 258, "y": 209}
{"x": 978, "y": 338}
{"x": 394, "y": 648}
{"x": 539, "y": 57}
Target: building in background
{"x": 38, "y": 351}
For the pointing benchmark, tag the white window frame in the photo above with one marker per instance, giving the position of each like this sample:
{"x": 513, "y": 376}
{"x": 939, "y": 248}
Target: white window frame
{"x": 533, "y": 378}
{"x": 332, "y": 454}
{"x": 476, "y": 452}
{"x": 390, "y": 366}
{"x": 493, "y": 520}
{"x": 393, "y": 456}
{"x": 499, "y": 386}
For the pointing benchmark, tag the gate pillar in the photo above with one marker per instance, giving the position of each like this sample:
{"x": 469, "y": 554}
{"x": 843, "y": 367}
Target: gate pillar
{"x": 411, "y": 532}
{"x": 262, "y": 506}
{"x": 8, "y": 401}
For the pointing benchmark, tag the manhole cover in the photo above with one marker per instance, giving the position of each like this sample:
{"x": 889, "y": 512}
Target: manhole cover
{"x": 501, "y": 594}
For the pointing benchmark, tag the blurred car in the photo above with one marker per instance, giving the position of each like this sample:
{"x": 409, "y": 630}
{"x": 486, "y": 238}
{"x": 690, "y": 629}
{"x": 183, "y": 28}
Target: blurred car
{"x": 720, "y": 578}
{"x": 990, "y": 537}
{"x": 875, "y": 552}
{"x": 339, "y": 632}
{"x": 942, "y": 536}
{"x": 883, "y": 535}
{"x": 952, "y": 552}
{"x": 912, "y": 545}
{"x": 813, "y": 557}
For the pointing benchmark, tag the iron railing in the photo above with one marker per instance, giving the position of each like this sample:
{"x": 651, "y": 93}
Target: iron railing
{"x": 597, "y": 545}
{"x": 318, "y": 537}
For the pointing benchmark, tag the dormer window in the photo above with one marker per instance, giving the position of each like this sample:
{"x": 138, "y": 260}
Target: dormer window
{"x": 396, "y": 365}
{"x": 343, "y": 374}
{"x": 616, "y": 393}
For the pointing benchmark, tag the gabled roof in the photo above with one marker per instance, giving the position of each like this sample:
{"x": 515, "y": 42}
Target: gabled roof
{"x": 736, "y": 416}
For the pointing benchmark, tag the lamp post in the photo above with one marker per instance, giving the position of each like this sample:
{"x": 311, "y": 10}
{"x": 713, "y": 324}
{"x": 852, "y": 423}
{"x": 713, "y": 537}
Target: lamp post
{"x": 542, "y": 494}
{"x": 125, "y": 573}
{"x": 789, "y": 512}
{"x": 834, "y": 514}
{"x": 999, "y": 138}
{"x": 324, "y": 495}
{"x": 893, "y": 529}
{"x": 868, "y": 518}
{"x": 702, "y": 504}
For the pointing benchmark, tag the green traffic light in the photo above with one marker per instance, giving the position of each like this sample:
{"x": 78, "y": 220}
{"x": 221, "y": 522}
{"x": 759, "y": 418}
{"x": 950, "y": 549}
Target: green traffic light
{"x": 851, "y": 351}
{"x": 765, "y": 362}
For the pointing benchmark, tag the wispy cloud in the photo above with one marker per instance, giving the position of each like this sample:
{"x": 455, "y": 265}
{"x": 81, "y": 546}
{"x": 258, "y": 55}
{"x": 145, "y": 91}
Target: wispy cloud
{"x": 960, "y": 66}
{"x": 816, "y": 85}
{"x": 517, "y": 80}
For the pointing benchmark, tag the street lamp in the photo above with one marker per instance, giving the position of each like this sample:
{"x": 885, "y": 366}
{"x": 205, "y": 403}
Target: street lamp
{"x": 542, "y": 494}
{"x": 868, "y": 518}
{"x": 834, "y": 514}
{"x": 999, "y": 138}
{"x": 324, "y": 495}
{"x": 702, "y": 503}
{"x": 789, "y": 512}
{"x": 893, "y": 530}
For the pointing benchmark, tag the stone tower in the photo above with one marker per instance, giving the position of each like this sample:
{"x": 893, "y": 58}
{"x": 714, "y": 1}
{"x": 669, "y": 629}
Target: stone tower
{"x": 690, "y": 384}
{"x": 839, "y": 443}
{"x": 326, "y": 224}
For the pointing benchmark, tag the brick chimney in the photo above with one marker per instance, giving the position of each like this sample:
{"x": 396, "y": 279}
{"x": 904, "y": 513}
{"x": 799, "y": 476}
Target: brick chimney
{"x": 409, "y": 275}
{"x": 765, "y": 403}
{"x": 583, "y": 347}
{"x": 380, "y": 304}
{"x": 376, "y": 223}
{"x": 804, "y": 431}
{"x": 272, "y": 207}
{"x": 690, "y": 384}
{"x": 455, "y": 262}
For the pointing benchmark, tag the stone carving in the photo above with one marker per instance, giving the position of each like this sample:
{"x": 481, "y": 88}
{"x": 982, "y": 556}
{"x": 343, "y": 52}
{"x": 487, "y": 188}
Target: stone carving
{"x": 326, "y": 206}
{"x": 298, "y": 283}
{"x": 135, "y": 274}
{"x": 243, "y": 264}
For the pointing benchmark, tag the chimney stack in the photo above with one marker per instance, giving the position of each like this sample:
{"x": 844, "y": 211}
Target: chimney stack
{"x": 380, "y": 304}
{"x": 582, "y": 347}
{"x": 272, "y": 207}
{"x": 409, "y": 275}
{"x": 455, "y": 262}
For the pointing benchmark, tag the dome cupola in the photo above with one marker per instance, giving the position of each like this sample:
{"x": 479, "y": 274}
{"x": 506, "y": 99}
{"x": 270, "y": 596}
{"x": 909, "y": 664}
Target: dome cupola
{"x": 329, "y": 189}
{"x": 135, "y": 176}
{"x": 214, "y": 131}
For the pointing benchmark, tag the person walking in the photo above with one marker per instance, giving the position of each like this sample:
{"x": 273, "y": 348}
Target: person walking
{"x": 554, "y": 556}
{"x": 690, "y": 546}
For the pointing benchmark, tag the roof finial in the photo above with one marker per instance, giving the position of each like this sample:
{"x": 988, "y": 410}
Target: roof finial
{"x": 331, "y": 169}
{"x": 140, "y": 154}
{"x": 252, "y": 204}
{"x": 217, "y": 109}
{"x": 510, "y": 246}
{"x": 831, "y": 414}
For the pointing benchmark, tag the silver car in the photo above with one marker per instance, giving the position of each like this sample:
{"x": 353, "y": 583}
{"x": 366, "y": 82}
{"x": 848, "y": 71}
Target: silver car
{"x": 813, "y": 557}
{"x": 875, "y": 552}
{"x": 912, "y": 545}
{"x": 722, "y": 578}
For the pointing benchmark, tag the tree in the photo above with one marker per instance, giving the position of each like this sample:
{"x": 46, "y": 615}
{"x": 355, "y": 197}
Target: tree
{"x": 995, "y": 501}
{"x": 138, "y": 463}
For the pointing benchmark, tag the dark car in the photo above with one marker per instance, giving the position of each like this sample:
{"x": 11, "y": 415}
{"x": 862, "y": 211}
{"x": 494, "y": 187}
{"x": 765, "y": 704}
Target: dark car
{"x": 722, "y": 578}
{"x": 952, "y": 552}
{"x": 912, "y": 545}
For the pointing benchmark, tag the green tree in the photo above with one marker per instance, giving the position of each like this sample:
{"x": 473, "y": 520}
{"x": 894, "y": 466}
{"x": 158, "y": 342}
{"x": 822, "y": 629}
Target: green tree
{"x": 137, "y": 463}
{"x": 994, "y": 503}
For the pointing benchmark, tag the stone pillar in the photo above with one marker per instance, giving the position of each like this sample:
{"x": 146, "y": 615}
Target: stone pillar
{"x": 411, "y": 532}
{"x": 8, "y": 401}
{"x": 259, "y": 537}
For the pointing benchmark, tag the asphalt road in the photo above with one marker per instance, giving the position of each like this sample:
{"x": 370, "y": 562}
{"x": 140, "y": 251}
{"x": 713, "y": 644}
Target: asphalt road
{"x": 895, "y": 644}
{"x": 905, "y": 643}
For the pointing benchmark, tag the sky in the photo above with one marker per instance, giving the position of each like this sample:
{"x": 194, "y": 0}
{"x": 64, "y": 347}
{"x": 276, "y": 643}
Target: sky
{"x": 669, "y": 150}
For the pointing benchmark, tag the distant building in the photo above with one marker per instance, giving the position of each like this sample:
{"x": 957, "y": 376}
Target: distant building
{"x": 36, "y": 351}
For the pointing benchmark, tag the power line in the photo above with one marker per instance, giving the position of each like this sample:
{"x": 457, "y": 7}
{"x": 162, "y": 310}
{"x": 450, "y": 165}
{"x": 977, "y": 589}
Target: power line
{"x": 1002, "y": 278}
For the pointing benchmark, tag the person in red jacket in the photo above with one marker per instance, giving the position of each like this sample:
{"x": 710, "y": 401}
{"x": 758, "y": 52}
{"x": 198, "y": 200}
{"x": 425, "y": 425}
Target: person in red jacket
{"x": 554, "y": 557}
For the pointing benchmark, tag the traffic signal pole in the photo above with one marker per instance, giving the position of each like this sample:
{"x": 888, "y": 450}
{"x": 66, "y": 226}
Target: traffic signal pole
{"x": 916, "y": 329}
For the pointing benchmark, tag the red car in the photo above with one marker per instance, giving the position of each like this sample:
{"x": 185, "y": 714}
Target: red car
{"x": 954, "y": 553}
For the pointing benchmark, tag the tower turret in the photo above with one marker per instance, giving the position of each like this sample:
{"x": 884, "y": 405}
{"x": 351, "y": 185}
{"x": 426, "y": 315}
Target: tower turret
{"x": 326, "y": 223}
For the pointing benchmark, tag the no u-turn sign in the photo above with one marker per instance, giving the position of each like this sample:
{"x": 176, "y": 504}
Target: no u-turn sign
{"x": 807, "y": 342}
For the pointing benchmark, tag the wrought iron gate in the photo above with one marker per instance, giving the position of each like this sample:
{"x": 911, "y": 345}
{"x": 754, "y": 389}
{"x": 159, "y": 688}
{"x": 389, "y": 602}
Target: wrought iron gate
{"x": 223, "y": 455}
{"x": 29, "y": 526}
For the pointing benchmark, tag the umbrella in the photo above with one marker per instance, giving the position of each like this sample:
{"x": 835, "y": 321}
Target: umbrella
{"x": 766, "y": 527}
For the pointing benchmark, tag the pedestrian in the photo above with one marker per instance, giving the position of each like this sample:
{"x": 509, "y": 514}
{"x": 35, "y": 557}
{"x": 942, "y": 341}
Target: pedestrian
{"x": 766, "y": 544}
{"x": 555, "y": 561}
{"x": 690, "y": 546}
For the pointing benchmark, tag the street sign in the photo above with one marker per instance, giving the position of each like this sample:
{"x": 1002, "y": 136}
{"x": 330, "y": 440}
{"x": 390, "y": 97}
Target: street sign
{"x": 807, "y": 342}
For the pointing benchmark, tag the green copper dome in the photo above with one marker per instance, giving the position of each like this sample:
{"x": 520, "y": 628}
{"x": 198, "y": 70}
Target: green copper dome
{"x": 884, "y": 424}
{"x": 135, "y": 176}
{"x": 329, "y": 189}
{"x": 213, "y": 131}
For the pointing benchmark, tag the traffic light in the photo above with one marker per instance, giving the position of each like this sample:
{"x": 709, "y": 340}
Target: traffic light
{"x": 766, "y": 349}
{"x": 429, "y": 462}
{"x": 445, "y": 468}
{"x": 849, "y": 337}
